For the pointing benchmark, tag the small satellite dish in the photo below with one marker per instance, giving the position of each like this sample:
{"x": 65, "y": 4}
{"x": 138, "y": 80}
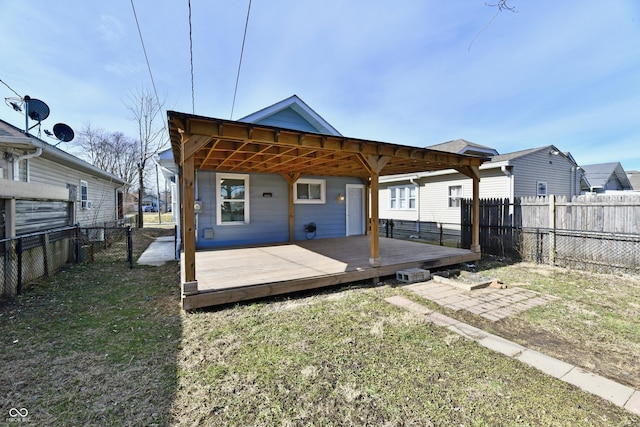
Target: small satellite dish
{"x": 37, "y": 110}
{"x": 63, "y": 132}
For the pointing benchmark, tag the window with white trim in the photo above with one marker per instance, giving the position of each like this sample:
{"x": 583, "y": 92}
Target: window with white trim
{"x": 541, "y": 188}
{"x": 402, "y": 197}
{"x": 232, "y": 192}
{"x": 455, "y": 196}
{"x": 84, "y": 195}
{"x": 309, "y": 191}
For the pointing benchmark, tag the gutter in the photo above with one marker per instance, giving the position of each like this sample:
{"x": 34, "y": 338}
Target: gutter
{"x": 412, "y": 180}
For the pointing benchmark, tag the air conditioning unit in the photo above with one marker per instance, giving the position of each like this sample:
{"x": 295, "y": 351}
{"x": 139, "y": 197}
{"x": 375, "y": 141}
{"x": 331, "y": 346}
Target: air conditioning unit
{"x": 86, "y": 204}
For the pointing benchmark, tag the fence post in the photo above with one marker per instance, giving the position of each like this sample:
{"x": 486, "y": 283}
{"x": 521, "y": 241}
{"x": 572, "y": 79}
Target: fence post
{"x": 441, "y": 236}
{"x": 45, "y": 254}
{"x": 130, "y": 247}
{"x": 19, "y": 275}
{"x": 552, "y": 230}
{"x": 537, "y": 246}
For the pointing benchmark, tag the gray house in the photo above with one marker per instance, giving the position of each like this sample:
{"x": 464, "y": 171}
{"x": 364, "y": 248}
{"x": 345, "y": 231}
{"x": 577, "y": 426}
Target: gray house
{"x": 603, "y": 177}
{"x": 43, "y": 187}
{"x": 435, "y": 197}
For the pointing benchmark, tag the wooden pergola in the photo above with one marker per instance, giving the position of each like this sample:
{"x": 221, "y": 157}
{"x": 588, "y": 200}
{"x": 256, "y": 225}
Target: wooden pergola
{"x": 203, "y": 143}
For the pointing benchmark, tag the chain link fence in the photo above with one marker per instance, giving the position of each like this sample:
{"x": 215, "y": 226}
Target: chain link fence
{"x": 582, "y": 250}
{"x": 32, "y": 256}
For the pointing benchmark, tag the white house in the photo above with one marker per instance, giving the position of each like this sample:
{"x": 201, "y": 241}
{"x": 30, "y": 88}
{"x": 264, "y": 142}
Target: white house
{"x": 432, "y": 199}
{"x": 43, "y": 187}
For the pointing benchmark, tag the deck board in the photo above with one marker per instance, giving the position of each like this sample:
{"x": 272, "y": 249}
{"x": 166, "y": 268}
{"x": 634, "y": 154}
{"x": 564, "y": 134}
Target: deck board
{"x": 237, "y": 274}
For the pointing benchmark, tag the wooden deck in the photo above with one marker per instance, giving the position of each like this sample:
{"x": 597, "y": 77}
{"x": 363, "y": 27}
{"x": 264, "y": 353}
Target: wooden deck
{"x": 238, "y": 274}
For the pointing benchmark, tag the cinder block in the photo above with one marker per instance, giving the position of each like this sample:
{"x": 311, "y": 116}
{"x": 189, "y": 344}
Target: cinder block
{"x": 411, "y": 275}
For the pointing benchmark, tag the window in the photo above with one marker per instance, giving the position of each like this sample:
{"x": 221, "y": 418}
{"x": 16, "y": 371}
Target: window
{"x": 402, "y": 197}
{"x": 84, "y": 195}
{"x": 233, "y": 199}
{"x": 541, "y": 188}
{"x": 455, "y": 196}
{"x": 309, "y": 191}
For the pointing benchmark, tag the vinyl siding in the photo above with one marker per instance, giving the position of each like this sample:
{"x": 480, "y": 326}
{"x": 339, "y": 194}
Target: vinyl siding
{"x": 101, "y": 193}
{"x": 288, "y": 119}
{"x": 269, "y": 216}
{"x": 542, "y": 166}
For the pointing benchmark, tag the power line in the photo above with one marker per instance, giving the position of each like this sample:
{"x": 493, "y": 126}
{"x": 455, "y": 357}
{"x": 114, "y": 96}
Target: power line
{"x": 153, "y": 83}
{"x": 11, "y": 89}
{"x": 235, "y": 91}
{"x": 193, "y": 97}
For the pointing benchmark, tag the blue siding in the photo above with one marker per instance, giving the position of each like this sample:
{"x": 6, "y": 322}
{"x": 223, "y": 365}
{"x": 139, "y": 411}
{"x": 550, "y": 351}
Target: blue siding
{"x": 288, "y": 119}
{"x": 269, "y": 216}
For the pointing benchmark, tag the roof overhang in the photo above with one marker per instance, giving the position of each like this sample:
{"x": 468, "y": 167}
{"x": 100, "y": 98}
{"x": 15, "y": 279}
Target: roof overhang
{"x": 231, "y": 146}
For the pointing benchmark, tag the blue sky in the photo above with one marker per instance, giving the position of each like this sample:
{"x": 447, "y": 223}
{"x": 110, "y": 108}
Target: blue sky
{"x": 414, "y": 72}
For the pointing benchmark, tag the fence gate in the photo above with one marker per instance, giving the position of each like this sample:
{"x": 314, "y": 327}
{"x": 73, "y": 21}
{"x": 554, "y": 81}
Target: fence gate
{"x": 499, "y": 223}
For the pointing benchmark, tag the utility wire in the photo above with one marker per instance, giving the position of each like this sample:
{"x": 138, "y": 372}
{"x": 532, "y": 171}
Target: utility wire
{"x": 193, "y": 97}
{"x": 11, "y": 89}
{"x": 153, "y": 83}
{"x": 244, "y": 38}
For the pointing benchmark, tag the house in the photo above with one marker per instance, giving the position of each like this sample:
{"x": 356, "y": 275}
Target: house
{"x": 283, "y": 174}
{"x": 604, "y": 177}
{"x": 43, "y": 187}
{"x": 431, "y": 199}
{"x": 634, "y": 179}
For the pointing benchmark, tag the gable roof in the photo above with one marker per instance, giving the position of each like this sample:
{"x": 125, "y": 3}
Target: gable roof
{"x": 274, "y": 116}
{"x": 634, "y": 179}
{"x": 598, "y": 175}
{"x": 462, "y": 146}
{"x": 13, "y": 137}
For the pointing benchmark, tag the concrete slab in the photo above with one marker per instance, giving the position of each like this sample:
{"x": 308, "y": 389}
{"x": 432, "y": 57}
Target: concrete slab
{"x": 442, "y": 320}
{"x": 407, "y": 304}
{"x": 600, "y": 386}
{"x": 547, "y": 364}
{"x": 468, "y": 331}
{"x": 160, "y": 251}
{"x": 506, "y": 347}
{"x": 633, "y": 404}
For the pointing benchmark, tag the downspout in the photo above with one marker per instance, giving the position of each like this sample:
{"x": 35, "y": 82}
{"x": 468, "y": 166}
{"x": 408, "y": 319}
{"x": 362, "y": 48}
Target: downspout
{"x": 509, "y": 175}
{"x": 412, "y": 180}
{"x": 17, "y": 160}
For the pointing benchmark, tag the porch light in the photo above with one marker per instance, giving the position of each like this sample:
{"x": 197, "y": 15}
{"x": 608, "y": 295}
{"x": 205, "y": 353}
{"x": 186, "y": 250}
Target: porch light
{"x": 340, "y": 197}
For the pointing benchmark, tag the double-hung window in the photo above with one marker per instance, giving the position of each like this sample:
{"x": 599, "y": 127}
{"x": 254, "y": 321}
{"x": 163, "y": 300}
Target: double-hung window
{"x": 232, "y": 191}
{"x": 84, "y": 195}
{"x": 403, "y": 197}
{"x": 455, "y": 196}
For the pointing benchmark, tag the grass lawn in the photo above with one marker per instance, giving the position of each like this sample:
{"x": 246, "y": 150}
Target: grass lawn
{"x": 99, "y": 344}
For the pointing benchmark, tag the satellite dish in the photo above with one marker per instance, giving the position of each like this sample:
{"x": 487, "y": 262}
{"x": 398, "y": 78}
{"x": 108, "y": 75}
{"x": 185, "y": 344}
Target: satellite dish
{"x": 36, "y": 109}
{"x": 63, "y": 132}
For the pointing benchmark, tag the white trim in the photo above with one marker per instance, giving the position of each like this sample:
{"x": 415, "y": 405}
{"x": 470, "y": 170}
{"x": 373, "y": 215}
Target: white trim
{"x": 538, "y": 185}
{"x": 407, "y": 198}
{"x": 220, "y": 201}
{"x": 323, "y": 191}
{"x": 457, "y": 198}
{"x": 84, "y": 201}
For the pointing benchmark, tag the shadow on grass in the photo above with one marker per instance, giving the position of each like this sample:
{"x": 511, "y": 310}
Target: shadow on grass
{"x": 96, "y": 344}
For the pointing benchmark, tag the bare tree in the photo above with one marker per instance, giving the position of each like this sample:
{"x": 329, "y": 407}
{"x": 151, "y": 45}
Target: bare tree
{"x": 501, "y": 5}
{"x": 112, "y": 152}
{"x": 147, "y": 113}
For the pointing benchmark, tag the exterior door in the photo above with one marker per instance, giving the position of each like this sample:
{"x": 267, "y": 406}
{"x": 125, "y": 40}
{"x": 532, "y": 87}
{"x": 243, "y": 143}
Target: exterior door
{"x": 355, "y": 209}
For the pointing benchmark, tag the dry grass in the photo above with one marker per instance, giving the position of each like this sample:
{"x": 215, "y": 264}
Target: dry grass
{"x": 100, "y": 344}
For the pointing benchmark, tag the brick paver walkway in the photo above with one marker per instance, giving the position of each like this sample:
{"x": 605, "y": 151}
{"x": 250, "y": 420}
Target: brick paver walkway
{"x": 492, "y": 304}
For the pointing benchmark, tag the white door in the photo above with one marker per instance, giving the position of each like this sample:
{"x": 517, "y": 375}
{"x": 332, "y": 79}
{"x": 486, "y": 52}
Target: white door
{"x": 355, "y": 209}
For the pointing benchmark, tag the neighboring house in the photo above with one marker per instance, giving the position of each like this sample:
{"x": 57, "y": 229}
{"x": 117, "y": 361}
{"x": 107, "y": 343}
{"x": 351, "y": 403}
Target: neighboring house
{"x": 435, "y": 197}
{"x": 634, "y": 179}
{"x": 43, "y": 187}
{"x": 604, "y": 177}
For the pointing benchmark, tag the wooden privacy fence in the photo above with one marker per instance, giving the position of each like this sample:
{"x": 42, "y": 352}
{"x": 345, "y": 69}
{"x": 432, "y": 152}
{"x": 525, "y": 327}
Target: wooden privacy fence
{"x": 596, "y": 232}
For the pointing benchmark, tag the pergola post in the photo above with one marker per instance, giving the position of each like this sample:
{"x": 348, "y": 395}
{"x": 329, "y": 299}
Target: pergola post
{"x": 475, "y": 211}
{"x": 291, "y": 180}
{"x": 190, "y": 284}
{"x": 374, "y": 259}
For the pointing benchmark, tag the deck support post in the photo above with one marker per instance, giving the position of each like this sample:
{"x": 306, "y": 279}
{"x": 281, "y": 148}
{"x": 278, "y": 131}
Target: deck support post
{"x": 374, "y": 164}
